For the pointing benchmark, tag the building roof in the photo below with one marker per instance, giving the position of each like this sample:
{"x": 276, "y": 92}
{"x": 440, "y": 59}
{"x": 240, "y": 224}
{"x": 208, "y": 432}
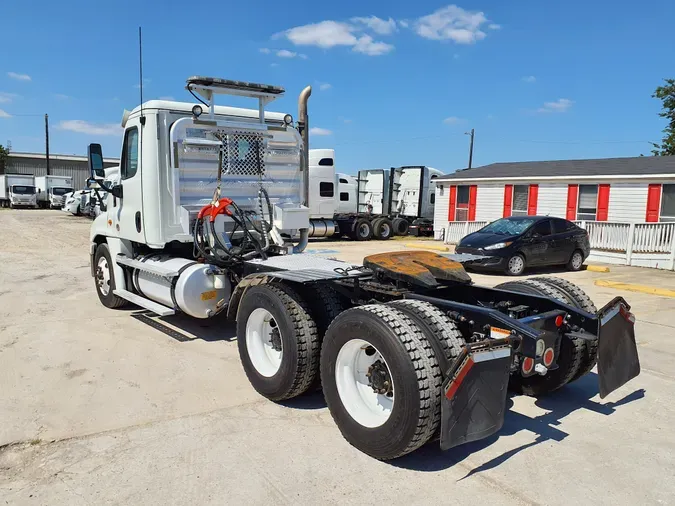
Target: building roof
{"x": 641, "y": 166}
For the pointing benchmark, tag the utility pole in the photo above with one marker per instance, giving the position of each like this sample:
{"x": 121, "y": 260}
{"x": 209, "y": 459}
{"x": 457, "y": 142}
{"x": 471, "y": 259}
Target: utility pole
{"x": 47, "y": 141}
{"x": 470, "y": 147}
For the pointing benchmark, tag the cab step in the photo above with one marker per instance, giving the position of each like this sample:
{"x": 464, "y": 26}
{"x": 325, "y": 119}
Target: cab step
{"x": 148, "y": 304}
{"x": 122, "y": 259}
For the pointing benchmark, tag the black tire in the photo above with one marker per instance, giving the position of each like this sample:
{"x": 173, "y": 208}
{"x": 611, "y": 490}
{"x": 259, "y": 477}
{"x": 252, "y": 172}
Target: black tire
{"x": 515, "y": 267}
{"x": 362, "y": 230}
{"x": 109, "y": 299}
{"x": 299, "y": 340}
{"x": 415, "y": 374}
{"x": 431, "y": 319}
{"x": 576, "y": 261}
{"x": 576, "y": 297}
{"x": 401, "y": 226}
{"x": 383, "y": 229}
{"x": 79, "y": 210}
{"x": 569, "y": 357}
{"x": 325, "y": 304}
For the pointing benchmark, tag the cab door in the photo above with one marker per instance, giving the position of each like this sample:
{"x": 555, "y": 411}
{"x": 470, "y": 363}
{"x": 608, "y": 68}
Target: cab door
{"x": 127, "y": 209}
{"x": 537, "y": 244}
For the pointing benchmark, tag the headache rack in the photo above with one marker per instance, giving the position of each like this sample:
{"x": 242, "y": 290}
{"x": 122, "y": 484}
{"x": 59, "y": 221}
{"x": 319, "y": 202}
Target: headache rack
{"x": 208, "y": 87}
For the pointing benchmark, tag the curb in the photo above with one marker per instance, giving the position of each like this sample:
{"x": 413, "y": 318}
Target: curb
{"x": 651, "y": 290}
{"x": 597, "y": 268}
{"x": 424, "y": 246}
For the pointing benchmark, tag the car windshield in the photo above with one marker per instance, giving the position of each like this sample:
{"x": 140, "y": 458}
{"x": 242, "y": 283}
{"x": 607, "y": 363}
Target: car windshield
{"x": 61, "y": 191}
{"x": 507, "y": 226}
{"x": 23, "y": 190}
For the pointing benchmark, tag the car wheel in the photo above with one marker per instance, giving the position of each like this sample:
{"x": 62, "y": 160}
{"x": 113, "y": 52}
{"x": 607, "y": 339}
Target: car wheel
{"x": 515, "y": 265}
{"x": 576, "y": 262}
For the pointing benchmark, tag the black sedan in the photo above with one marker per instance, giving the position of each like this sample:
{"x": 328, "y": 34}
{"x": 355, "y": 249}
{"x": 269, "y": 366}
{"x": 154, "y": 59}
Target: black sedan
{"x": 512, "y": 244}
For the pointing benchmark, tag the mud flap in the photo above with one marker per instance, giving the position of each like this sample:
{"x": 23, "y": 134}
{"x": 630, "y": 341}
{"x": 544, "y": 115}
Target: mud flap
{"x": 474, "y": 400}
{"x": 618, "y": 360}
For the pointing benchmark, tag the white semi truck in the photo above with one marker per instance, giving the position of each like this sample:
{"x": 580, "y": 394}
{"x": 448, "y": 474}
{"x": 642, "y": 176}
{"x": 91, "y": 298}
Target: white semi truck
{"x": 18, "y": 190}
{"x": 209, "y": 216}
{"x": 378, "y": 203}
{"x": 51, "y": 190}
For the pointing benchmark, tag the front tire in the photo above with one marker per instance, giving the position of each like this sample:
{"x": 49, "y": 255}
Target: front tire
{"x": 515, "y": 265}
{"x": 104, "y": 278}
{"x": 362, "y": 230}
{"x": 381, "y": 381}
{"x": 278, "y": 341}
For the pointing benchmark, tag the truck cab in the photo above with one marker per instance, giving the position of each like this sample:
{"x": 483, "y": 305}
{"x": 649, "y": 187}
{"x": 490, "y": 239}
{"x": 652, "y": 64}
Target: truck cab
{"x": 22, "y": 195}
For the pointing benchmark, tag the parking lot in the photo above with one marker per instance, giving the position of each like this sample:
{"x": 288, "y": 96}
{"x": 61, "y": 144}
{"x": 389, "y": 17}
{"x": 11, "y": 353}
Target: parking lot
{"x": 116, "y": 407}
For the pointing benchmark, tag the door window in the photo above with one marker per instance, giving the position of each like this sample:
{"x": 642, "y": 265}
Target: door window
{"x": 543, "y": 228}
{"x": 561, "y": 226}
{"x": 325, "y": 189}
{"x": 344, "y": 197}
{"x": 130, "y": 154}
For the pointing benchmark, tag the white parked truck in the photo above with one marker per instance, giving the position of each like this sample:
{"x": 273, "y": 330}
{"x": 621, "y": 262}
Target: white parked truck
{"x": 51, "y": 190}
{"x": 378, "y": 203}
{"x": 18, "y": 190}
{"x": 209, "y": 216}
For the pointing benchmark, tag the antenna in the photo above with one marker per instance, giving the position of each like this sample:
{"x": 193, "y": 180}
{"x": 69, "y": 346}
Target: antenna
{"x": 140, "y": 70}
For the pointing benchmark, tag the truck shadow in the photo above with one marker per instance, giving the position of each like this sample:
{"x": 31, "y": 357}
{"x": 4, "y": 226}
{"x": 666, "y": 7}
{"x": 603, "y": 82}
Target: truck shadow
{"x": 559, "y": 404}
{"x": 184, "y": 328}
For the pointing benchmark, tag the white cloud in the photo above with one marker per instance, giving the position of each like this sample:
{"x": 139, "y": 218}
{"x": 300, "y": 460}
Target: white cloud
{"x": 4, "y": 114}
{"x": 404, "y": 23}
{"x": 19, "y": 77}
{"x": 366, "y": 45}
{"x": 320, "y": 131}
{"x": 452, "y": 120}
{"x": 6, "y": 98}
{"x": 452, "y": 23}
{"x": 560, "y": 105}
{"x": 265, "y": 50}
{"x": 167, "y": 97}
{"x": 302, "y": 56}
{"x": 529, "y": 79}
{"x": 325, "y": 86}
{"x": 494, "y": 26}
{"x": 377, "y": 25}
{"x": 325, "y": 34}
{"x": 84, "y": 127}
{"x": 328, "y": 34}
{"x": 285, "y": 53}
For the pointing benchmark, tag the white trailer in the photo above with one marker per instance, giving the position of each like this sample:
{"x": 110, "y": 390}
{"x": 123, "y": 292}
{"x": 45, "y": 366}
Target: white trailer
{"x": 18, "y": 190}
{"x": 378, "y": 203}
{"x": 51, "y": 190}
{"x": 208, "y": 217}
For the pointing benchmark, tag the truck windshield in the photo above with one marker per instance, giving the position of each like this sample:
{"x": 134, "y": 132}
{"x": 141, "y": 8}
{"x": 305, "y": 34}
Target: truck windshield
{"x": 61, "y": 191}
{"x": 23, "y": 190}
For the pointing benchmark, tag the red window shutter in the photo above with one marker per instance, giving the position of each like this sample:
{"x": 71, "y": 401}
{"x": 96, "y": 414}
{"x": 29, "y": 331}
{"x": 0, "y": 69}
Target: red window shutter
{"x": 572, "y": 197}
{"x": 603, "y": 202}
{"x": 653, "y": 203}
{"x": 473, "y": 192}
{"x": 532, "y": 199}
{"x": 453, "y": 203}
{"x": 508, "y": 199}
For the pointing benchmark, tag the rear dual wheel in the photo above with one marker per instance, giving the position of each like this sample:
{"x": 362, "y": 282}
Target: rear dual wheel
{"x": 381, "y": 378}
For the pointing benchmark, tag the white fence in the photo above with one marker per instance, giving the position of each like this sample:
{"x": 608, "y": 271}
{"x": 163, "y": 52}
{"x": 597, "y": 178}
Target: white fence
{"x": 640, "y": 244}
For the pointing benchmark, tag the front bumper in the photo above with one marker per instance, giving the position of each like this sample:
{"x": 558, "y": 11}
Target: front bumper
{"x": 486, "y": 262}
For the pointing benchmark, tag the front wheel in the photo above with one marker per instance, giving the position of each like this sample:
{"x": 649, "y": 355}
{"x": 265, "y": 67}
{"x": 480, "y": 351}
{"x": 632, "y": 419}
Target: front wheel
{"x": 576, "y": 261}
{"x": 105, "y": 278}
{"x": 515, "y": 265}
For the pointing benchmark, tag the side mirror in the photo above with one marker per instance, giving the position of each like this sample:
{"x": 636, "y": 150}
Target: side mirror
{"x": 117, "y": 191}
{"x": 95, "y": 157}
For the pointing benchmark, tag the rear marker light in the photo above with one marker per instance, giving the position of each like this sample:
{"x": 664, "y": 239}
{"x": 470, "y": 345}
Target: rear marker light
{"x": 559, "y": 320}
{"x": 549, "y": 355}
{"x": 528, "y": 365}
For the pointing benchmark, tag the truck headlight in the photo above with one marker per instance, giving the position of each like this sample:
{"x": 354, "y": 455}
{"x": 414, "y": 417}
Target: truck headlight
{"x": 499, "y": 245}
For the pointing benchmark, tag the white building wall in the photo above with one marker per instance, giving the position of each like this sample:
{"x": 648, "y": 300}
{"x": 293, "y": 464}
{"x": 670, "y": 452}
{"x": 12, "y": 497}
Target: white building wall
{"x": 441, "y": 208}
{"x": 489, "y": 202}
{"x": 552, "y": 199}
{"x": 628, "y": 202}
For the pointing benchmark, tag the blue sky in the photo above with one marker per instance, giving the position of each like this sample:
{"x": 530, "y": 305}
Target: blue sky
{"x": 394, "y": 83}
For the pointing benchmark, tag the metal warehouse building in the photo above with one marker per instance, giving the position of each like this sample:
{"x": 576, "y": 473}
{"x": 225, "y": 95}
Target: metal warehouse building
{"x": 59, "y": 165}
{"x": 626, "y": 204}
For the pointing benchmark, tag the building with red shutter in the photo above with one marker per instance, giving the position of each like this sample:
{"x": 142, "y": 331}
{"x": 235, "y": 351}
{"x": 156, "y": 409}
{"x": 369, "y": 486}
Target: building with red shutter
{"x": 604, "y": 195}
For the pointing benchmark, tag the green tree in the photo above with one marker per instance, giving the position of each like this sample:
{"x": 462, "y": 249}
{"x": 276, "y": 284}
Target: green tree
{"x": 666, "y": 94}
{"x": 4, "y": 156}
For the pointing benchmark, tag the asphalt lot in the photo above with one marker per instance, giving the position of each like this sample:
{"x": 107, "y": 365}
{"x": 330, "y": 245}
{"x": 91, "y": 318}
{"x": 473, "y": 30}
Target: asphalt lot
{"x": 101, "y": 407}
